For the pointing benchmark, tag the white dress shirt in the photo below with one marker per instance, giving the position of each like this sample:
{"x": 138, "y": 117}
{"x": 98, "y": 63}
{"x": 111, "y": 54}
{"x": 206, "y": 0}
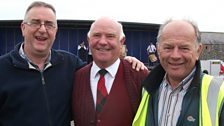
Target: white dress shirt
{"x": 109, "y": 77}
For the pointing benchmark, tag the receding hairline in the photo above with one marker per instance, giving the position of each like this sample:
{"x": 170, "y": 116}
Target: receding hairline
{"x": 192, "y": 23}
{"x": 39, "y": 4}
{"x": 111, "y": 20}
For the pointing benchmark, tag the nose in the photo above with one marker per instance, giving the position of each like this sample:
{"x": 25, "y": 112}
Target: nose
{"x": 176, "y": 53}
{"x": 103, "y": 40}
{"x": 42, "y": 28}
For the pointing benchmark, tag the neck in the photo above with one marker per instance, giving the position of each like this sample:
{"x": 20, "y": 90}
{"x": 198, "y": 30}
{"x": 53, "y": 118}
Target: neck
{"x": 173, "y": 82}
{"x": 104, "y": 64}
{"x": 38, "y": 60}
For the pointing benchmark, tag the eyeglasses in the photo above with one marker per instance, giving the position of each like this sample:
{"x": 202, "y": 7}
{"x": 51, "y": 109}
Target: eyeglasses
{"x": 37, "y": 24}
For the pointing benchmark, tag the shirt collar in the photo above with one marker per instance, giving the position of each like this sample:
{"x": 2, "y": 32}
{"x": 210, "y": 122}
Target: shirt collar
{"x": 112, "y": 70}
{"x": 32, "y": 65}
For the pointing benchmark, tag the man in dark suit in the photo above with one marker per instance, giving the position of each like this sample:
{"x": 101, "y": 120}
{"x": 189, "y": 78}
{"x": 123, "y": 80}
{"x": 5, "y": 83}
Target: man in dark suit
{"x": 82, "y": 51}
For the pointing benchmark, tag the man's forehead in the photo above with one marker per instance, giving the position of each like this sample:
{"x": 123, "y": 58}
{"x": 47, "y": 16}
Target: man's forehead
{"x": 104, "y": 29}
{"x": 178, "y": 26}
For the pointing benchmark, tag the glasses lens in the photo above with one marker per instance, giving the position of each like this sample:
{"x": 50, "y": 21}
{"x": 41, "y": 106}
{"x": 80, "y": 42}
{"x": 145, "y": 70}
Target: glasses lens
{"x": 37, "y": 24}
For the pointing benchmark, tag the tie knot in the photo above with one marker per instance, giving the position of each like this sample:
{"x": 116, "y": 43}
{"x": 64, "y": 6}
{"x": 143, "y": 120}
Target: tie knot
{"x": 102, "y": 72}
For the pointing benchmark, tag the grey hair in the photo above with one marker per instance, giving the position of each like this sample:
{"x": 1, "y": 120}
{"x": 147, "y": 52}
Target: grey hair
{"x": 122, "y": 35}
{"x": 194, "y": 25}
{"x": 39, "y": 4}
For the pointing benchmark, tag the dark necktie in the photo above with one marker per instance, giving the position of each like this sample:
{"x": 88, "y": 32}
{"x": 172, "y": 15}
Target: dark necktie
{"x": 101, "y": 91}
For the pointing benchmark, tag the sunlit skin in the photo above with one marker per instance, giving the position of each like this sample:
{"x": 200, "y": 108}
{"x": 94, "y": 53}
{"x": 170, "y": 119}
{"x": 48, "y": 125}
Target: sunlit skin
{"x": 38, "y": 42}
{"x": 178, "y": 50}
{"x": 105, "y": 42}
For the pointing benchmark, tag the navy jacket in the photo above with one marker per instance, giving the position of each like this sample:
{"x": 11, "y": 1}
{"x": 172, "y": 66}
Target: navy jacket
{"x": 29, "y": 97}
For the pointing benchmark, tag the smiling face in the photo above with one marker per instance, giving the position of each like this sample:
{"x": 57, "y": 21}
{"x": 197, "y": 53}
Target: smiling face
{"x": 38, "y": 41}
{"x": 178, "y": 50}
{"x": 105, "y": 41}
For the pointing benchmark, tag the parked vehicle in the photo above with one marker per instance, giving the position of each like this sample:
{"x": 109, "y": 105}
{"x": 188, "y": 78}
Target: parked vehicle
{"x": 213, "y": 67}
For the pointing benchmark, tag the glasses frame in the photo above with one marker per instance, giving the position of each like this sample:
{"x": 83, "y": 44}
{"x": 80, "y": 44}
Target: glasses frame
{"x": 38, "y": 24}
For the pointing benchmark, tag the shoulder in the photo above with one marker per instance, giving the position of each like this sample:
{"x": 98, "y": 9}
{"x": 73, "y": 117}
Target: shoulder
{"x": 10, "y": 57}
{"x": 66, "y": 57}
{"x": 4, "y": 59}
{"x": 128, "y": 69}
{"x": 64, "y": 54}
{"x": 9, "y": 61}
{"x": 84, "y": 70}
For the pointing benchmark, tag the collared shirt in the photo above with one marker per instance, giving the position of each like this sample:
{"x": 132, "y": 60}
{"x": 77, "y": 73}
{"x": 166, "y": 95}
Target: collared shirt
{"x": 80, "y": 46}
{"x": 109, "y": 77}
{"x": 170, "y": 100}
{"x": 32, "y": 65}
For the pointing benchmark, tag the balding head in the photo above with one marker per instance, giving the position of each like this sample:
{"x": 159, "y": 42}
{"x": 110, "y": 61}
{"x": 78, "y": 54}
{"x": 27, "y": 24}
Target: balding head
{"x": 108, "y": 22}
{"x": 184, "y": 27}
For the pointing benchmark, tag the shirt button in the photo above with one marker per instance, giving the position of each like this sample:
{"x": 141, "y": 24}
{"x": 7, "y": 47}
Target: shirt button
{"x": 98, "y": 120}
{"x": 92, "y": 122}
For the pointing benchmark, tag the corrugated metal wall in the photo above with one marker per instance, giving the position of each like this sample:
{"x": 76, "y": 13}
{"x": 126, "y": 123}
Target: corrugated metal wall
{"x": 68, "y": 39}
{"x": 9, "y": 37}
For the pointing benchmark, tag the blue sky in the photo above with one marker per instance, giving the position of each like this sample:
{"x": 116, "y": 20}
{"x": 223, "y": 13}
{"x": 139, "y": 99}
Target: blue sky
{"x": 208, "y": 14}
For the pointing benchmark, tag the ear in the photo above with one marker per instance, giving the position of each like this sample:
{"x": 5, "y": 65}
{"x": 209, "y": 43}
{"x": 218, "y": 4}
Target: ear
{"x": 157, "y": 45}
{"x": 56, "y": 29}
{"x": 122, "y": 40}
{"x": 88, "y": 40}
{"x": 199, "y": 50}
{"x": 22, "y": 27}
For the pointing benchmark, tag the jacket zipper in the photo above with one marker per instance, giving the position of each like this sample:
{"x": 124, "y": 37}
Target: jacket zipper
{"x": 46, "y": 98}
